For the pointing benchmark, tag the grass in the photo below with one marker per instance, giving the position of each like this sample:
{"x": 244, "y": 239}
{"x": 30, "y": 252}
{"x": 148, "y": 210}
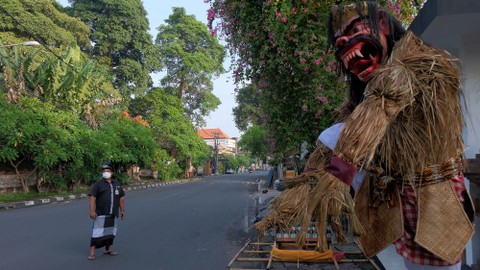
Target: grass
{"x": 19, "y": 197}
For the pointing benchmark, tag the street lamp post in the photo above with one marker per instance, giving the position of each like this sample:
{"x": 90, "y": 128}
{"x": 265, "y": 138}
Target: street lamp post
{"x": 31, "y": 43}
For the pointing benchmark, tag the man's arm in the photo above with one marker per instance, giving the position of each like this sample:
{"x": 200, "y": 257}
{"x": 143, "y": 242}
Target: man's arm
{"x": 93, "y": 214}
{"x": 122, "y": 208}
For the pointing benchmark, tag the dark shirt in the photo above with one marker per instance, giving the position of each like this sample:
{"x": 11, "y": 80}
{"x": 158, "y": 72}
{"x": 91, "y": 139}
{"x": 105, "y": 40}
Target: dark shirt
{"x": 102, "y": 191}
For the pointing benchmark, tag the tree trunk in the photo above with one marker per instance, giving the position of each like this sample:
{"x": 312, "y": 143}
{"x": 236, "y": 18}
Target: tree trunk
{"x": 24, "y": 184}
{"x": 39, "y": 182}
{"x": 181, "y": 88}
{"x": 23, "y": 180}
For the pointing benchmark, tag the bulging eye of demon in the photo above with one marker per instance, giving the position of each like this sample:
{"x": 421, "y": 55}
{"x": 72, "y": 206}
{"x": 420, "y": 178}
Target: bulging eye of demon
{"x": 361, "y": 57}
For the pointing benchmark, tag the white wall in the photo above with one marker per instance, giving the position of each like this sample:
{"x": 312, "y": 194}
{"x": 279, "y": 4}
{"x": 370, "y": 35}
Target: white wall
{"x": 471, "y": 88}
{"x": 470, "y": 56}
{"x": 210, "y": 142}
{"x": 229, "y": 144}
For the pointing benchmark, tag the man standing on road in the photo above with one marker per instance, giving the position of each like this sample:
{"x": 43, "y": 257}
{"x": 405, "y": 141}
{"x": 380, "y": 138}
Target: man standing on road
{"x": 106, "y": 197}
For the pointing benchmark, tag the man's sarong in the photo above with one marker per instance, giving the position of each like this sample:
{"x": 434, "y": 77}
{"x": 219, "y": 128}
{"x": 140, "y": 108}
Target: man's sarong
{"x": 103, "y": 231}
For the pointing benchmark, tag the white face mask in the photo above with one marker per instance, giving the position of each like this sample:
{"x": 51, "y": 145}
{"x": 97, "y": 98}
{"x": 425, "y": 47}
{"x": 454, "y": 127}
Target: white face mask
{"x": 107, "y": 175}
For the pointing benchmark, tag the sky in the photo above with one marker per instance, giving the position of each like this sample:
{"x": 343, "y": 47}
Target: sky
{"x": 158, "y": 11}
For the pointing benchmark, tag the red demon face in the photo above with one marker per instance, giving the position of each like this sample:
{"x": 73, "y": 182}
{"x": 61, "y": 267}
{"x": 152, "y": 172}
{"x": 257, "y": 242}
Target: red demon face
{"x": 359, "y": 50}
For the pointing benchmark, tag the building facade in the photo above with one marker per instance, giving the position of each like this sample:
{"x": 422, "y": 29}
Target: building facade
{"x": 225, "y": 143}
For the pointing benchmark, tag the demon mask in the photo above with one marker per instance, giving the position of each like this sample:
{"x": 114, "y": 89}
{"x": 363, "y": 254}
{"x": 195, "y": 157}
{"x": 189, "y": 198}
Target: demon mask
{"x": 360, "y": 38}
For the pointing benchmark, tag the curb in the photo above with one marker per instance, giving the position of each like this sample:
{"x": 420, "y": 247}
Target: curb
{"x": 42, "y": 201}
{"x": 68, "y": 198}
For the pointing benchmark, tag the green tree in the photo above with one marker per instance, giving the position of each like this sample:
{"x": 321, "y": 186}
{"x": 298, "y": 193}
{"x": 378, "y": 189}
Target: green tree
{"x": 254, "y": 141}
{"x": 191, "y": 57}
{"x": 69, "y": 82}
{"x": 33, "y": 135}
{"x": 74, "y": 83}
{"x": 124, "y": 142}
{"x": 172, "y": 130}
{"x": 166, "y": 166}
{"x": 62, "y": 150}
{"x": 235, "y": 162}
{"x": 43, "y": 130}
{"x": 248, "y": 110}
{"x": 244, "y": 160}
{"x": 44, "y": 21}
{"x": 119, "y": 139}
{"x": 14, "y": 76}
{"x": 229, "y": 161}
{"x": 120, "y": 40}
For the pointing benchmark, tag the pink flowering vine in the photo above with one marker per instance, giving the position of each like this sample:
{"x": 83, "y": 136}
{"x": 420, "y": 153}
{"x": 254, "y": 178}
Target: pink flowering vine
{"x": 322, "y": 100}
{"x": 277, "y": 46}
{"x": 331, "y": 66}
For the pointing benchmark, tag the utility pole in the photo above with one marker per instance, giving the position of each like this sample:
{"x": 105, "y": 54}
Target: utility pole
{"x": 215, "y": 166}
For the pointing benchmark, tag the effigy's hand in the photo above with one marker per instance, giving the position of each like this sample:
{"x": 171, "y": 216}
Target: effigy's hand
{"x": 330, "y": 201}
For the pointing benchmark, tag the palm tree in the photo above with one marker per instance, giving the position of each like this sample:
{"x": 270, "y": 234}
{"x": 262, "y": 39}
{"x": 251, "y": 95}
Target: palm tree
{"x": 15, "y": 67}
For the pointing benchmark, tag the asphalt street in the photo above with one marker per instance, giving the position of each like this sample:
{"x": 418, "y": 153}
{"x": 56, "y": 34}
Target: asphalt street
{"x": 197, "y": 225}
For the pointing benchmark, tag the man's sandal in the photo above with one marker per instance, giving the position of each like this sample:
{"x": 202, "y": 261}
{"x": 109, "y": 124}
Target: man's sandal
{"x": 111, "y": 252}
{"x": 91, "y": 257}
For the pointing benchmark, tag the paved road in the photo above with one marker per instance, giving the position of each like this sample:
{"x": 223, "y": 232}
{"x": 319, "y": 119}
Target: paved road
{"x": 192, "y": 226}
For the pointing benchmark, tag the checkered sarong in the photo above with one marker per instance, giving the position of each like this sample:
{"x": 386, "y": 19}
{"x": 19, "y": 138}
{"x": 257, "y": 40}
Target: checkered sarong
{"x": 104, "y": 230}
{"x": 406, "y": 245}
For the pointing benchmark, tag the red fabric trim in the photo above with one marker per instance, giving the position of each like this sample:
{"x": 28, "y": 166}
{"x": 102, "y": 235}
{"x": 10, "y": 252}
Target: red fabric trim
{"x": 341, "y": 169}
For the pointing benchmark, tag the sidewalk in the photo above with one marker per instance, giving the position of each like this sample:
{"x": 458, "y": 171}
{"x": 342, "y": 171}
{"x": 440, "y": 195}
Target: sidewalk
{"x": 68, "y": 198}
{"x": 390, "y": 259}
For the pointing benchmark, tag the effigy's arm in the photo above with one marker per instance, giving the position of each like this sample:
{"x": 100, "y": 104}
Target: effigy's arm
{"x": 365, "y": 129}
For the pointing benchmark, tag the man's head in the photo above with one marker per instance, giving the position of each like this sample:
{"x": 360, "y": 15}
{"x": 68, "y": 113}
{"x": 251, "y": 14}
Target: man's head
{"x": 107, "y": 171}
{"x": 363, "y": 34}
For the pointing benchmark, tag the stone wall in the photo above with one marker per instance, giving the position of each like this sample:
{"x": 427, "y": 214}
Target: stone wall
{"x": 9, "y": 183}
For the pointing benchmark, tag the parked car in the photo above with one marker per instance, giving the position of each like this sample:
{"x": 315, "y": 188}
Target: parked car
{"x": 229, "y": 171}
{"x": 279, "y": 184}
{"x": 200, "y": 171}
